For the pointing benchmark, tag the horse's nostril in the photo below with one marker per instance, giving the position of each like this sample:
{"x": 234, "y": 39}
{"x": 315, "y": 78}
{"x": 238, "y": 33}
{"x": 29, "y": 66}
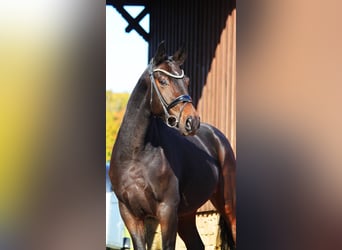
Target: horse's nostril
{"x": 188, "y": 124}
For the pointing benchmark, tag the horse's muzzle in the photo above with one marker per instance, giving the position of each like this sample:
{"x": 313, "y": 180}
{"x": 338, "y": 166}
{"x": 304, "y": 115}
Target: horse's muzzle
{"x": 192, "y": 124}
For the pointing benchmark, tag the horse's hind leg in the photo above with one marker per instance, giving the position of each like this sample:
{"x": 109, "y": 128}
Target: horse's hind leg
{"x": 188, "y": 232}
{"x": 224, "y": 198}
{"x": 228, "y": 214}
{"x": 135, "y": 227}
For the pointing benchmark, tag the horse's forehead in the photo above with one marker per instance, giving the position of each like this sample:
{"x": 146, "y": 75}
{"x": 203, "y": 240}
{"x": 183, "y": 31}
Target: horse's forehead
{"x": 168, "y": 65}
{"x": 171, "y": 66}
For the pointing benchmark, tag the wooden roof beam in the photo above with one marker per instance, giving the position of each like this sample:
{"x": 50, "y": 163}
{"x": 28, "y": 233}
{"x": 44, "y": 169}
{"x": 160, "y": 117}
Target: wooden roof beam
{"x": 133, "y": 23}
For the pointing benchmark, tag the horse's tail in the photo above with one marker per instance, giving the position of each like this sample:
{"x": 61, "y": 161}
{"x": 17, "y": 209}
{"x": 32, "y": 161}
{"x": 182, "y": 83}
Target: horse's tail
{"x": 227, "y": 241}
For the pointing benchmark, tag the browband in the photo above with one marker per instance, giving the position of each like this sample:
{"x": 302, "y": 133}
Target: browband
{"x": 170, "y": 74}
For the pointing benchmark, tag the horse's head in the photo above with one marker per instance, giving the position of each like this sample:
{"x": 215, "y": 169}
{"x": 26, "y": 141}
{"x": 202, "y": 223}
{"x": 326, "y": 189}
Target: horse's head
{"x": 169, "y": 96}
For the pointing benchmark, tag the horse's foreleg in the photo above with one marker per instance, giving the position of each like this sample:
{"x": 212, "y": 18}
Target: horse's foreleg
{"x": 167, "y": 215}
{"x": 135, "y": 227}
{"x": 188, "y": 232}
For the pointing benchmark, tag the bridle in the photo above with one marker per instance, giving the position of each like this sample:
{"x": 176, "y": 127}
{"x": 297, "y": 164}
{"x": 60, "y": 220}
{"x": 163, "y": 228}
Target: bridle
{"x": 171, "y": 120}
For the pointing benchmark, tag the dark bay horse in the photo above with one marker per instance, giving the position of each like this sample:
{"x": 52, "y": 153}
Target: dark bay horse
{"x": 157, "y": 170}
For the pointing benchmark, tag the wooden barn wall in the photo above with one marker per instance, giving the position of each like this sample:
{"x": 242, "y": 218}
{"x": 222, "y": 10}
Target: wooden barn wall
{"x": 207, "y": 29}
{"x": 217, "y": 104}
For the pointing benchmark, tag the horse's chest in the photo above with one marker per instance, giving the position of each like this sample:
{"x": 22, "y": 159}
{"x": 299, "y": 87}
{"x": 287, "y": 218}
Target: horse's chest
{"x": 145, "y": 182}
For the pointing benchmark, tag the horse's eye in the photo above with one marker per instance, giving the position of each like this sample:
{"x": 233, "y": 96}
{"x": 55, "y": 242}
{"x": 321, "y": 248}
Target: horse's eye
{"x": 163, "y": 81}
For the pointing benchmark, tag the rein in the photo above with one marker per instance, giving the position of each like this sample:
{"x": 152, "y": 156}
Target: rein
{"x": 171, "y": 120}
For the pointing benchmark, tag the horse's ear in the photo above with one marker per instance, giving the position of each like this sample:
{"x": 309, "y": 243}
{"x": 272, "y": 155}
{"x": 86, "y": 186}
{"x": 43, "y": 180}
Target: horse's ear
{"x": 160, "y": 55}
{"x": 180, "y": 55}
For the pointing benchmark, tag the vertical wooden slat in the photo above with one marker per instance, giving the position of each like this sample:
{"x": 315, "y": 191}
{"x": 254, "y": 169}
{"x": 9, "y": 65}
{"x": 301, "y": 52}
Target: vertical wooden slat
{"x": 233, "y": 82}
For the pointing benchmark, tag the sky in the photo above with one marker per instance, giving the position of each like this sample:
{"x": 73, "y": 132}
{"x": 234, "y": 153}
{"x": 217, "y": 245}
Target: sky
{"x": 126, "y": 53}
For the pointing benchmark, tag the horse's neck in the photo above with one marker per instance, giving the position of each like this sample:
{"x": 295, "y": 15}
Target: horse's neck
{"x": 135, "y": 123}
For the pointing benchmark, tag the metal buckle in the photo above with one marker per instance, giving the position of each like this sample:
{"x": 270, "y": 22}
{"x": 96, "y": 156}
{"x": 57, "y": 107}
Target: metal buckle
{"x": 172, "y": 121}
